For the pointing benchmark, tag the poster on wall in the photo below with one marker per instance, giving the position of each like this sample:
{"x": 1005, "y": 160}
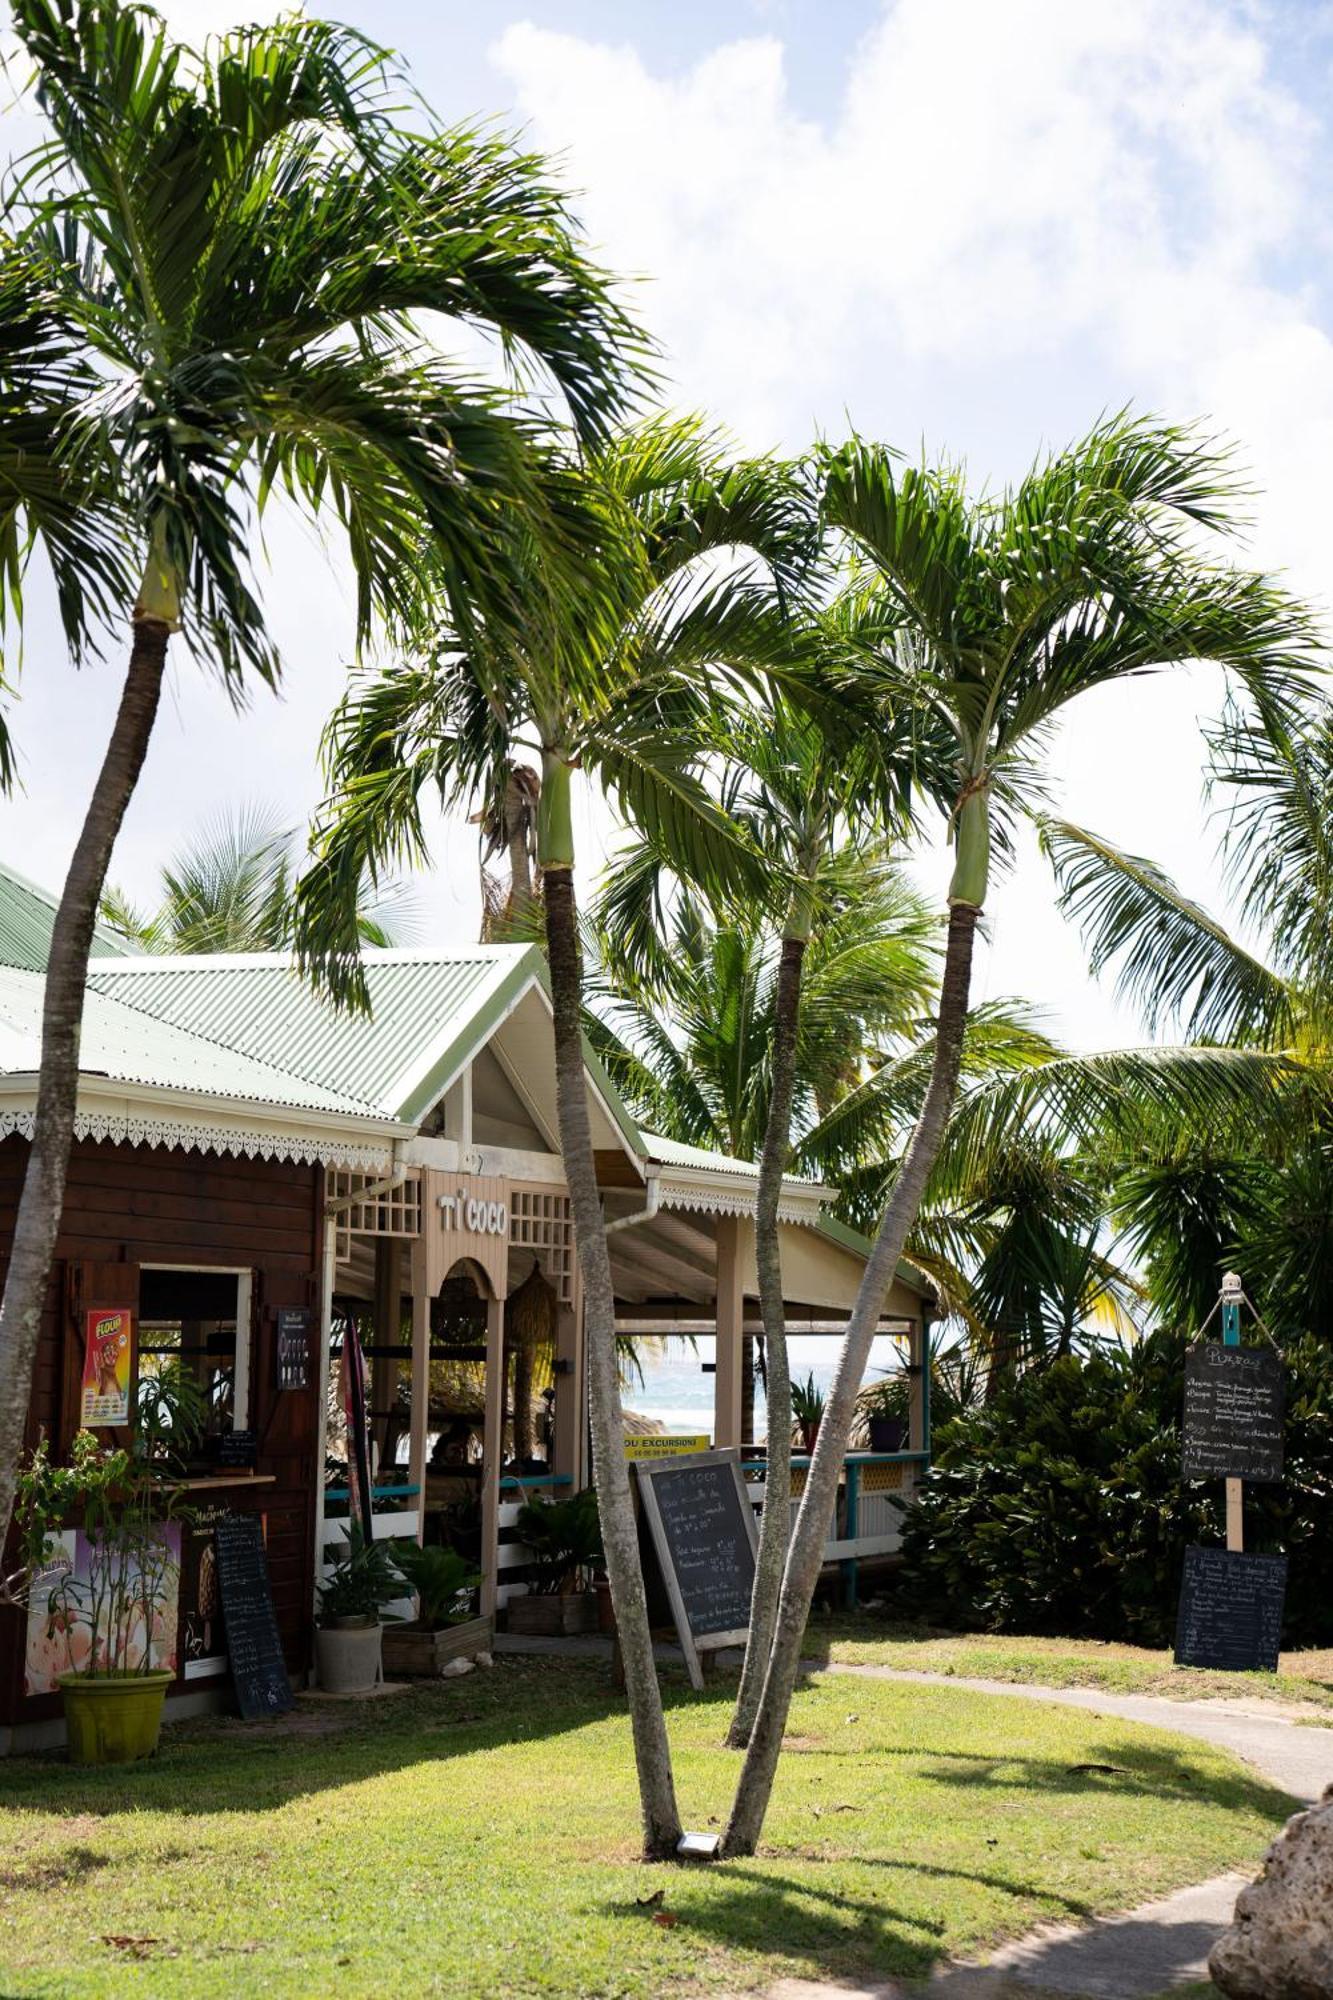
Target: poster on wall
{"x": 203, "y": 1634}
{"x": 60, "y": 1613}
{"x": 108, "y": 1364}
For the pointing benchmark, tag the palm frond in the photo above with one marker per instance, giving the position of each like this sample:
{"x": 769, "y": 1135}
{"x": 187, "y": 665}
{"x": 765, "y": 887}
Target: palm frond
{"x": 1176, "y": 962}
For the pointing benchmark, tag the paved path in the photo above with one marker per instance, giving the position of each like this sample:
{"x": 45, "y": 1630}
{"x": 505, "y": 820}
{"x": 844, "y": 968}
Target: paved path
{"x": 1145, "y": 1952}
{"x": 1298, "y": 1758}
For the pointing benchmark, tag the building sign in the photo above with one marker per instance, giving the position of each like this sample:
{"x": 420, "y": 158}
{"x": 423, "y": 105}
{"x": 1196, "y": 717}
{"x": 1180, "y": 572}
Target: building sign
{"x": 293, "y": 1347}
{"x": 474, "y": 1213}
{"x": 108, "y": 1364}
{"x": 665, "y": 1447}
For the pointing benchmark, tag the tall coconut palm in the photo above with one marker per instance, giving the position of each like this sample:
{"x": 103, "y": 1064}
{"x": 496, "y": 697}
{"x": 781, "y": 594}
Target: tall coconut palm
{"x": 1010, "y": 606}
{"x": 814, "y": 793}
{"x": 239, "y": 245}
{"x": 683, "y": 598}
{"x": 231, "y": 889}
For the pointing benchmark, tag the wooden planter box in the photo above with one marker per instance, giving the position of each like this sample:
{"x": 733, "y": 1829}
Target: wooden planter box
{"x": 410, "y": 1650}
{"x": 553, "y": 1617}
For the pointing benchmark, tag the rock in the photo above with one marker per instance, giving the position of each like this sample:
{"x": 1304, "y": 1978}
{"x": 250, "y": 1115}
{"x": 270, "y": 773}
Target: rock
{"x": 453, "y": 1668}
{"x": 483, "y": 1660}
{"x": 1280, "y": 1945}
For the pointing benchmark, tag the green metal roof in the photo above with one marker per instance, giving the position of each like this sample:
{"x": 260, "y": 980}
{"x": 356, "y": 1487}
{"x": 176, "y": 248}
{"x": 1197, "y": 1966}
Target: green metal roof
{"x": 675, "y": 1153}
{"x": 427, "y": 1011}
{"x": 128, "y": 1046}
{"x": 27, "y": 915}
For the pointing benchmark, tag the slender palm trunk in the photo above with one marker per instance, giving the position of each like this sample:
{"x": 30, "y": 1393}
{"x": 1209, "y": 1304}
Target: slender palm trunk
{"x": 817, "y": 1503}
{"x": 775, "y": 1528}
{"x": 652, "y": 1752}
{"x": 42, "y": 1200}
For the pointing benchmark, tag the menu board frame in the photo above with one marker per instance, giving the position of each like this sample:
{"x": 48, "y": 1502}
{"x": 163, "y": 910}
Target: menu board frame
{"x": 1216, "y": 1443}
{"x": 1213, "y": 1572}
{"x": 647, "y": 1472}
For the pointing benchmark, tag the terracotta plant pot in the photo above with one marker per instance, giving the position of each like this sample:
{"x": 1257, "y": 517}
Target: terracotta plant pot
{"x": 113, "y": 1718}
{"x": 809, "y": 1436}
{"x": 347, "y": 1657}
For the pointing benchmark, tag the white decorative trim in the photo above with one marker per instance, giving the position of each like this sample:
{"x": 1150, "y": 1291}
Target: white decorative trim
{"x": 254, "y": 1142}
{"x": 715, "y": 1200}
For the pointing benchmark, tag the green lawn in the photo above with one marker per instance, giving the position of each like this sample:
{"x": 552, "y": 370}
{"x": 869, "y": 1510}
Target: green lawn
{"x": 865, "y": 1639}
{"x": 480, "y": 1836}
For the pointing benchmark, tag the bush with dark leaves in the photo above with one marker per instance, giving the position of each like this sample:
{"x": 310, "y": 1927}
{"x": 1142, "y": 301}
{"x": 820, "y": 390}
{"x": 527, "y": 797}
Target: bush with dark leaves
{"x": 1059, "y": 1507}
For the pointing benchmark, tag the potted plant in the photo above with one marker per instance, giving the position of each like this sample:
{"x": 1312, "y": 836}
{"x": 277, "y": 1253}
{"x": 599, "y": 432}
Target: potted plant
{"x": 807, "y": 1407}
{"x": 883, "y": 1409}
{"x": 102, "y": 1593}
{"x": 565, "y": 1537}
{"x": 349, "y": 1628}
{"x": 445, "y": 1627}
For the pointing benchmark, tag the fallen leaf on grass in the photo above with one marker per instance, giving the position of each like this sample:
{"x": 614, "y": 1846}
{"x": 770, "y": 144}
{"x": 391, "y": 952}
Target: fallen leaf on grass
{"x": 819, "y": 1811}
{"x": 136, "y": 1947}
{"x": 667, "y": 1919}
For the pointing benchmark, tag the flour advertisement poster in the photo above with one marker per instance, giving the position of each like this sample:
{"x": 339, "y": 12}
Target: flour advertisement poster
{"x": 108, "y": 1367}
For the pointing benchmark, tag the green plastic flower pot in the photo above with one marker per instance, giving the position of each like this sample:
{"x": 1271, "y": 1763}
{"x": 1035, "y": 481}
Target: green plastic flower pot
{"x": 113, "y": 1718}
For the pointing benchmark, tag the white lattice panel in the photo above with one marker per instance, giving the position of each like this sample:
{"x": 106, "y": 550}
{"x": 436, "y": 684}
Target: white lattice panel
{"x": 394, "y": 1211}
{"x": 544, "y": 1223}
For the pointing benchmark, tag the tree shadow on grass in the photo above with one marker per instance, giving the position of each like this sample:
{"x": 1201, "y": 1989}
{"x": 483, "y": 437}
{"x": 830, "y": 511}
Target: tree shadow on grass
{"x": 219, "y": 1764}
{"x": 829, "y": 1933}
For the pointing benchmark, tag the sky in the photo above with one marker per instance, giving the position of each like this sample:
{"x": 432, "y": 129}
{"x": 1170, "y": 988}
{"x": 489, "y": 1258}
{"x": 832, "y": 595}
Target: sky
{"x": 969, "y": 227}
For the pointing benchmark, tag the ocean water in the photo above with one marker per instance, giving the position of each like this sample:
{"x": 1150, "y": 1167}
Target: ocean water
{"x": 677, "y": 1393}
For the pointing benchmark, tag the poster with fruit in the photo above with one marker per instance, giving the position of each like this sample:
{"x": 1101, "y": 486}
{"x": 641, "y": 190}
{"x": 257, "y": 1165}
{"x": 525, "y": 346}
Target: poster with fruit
{"x": 108, "y": 1365}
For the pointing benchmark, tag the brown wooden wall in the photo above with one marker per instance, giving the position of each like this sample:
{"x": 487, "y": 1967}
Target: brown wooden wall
{"x": 132, "y": 1205}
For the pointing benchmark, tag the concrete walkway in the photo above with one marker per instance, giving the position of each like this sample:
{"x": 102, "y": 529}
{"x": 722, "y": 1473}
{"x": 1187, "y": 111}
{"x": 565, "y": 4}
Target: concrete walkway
{"x": 1296, "y": 1757}
{"x": 1145, "y": 1952}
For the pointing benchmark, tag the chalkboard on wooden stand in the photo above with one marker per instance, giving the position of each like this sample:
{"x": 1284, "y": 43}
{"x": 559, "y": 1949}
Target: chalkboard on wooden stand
{"x": 1234, "y": 1407}
{"x": 1231, "y": 1611}
{"x": 258, "y": 1671}
{"x": 703, "y": 1530}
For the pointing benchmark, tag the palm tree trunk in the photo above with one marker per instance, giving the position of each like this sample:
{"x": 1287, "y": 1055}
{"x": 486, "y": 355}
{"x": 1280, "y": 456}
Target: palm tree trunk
{"x": 620, "y": 1541}
{"x": 43, "y": 1197}
{"x": 817, "y": 1503}
{"x": 775, "y": 1527}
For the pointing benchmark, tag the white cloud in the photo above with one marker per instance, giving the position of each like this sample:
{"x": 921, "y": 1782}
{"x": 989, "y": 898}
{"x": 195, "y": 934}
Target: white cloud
{"x": 1017, "y": 217}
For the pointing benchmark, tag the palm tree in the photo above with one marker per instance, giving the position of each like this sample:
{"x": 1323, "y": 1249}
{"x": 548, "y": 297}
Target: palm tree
{"x": 1001, "y": 611}
{"x": 237, "y": 246}
{"x": 625, "y": 685}
{"x": 814, "y": 793}
{"x": 1253, "y": 1193}
{"x": 231, "y": 890}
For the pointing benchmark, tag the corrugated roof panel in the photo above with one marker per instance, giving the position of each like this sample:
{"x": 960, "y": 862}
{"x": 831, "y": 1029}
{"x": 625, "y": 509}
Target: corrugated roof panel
{"x": 131, "y": 1047}
{"x": 675, "y": 1153}
{"x": 27, "y": 914}
{"x": 258, "y": 1005}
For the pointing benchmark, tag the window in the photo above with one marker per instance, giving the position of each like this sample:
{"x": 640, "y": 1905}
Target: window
{"x": 194, "y": 1353}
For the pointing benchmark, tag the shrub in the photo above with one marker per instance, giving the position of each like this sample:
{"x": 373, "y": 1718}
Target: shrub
{"x": 1059, "y": 1506}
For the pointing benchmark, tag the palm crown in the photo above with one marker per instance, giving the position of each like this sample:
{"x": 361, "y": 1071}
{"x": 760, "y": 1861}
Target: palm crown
{"x": 239, "y": 246}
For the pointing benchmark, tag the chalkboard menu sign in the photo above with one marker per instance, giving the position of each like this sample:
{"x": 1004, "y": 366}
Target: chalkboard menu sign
{"x": 1231, "y": 1611}
{"x": 235, "y": 1449}
{"x": 1234, "y": 1406}
{"x": 254, "y": 1649}
{"x": 703, "y": 1529}
{"x": 293, "y": 1347}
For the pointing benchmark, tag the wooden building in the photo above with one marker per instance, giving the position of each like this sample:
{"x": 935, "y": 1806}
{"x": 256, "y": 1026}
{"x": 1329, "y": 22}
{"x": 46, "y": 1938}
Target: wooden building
{"x": 253, "y": 1168}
